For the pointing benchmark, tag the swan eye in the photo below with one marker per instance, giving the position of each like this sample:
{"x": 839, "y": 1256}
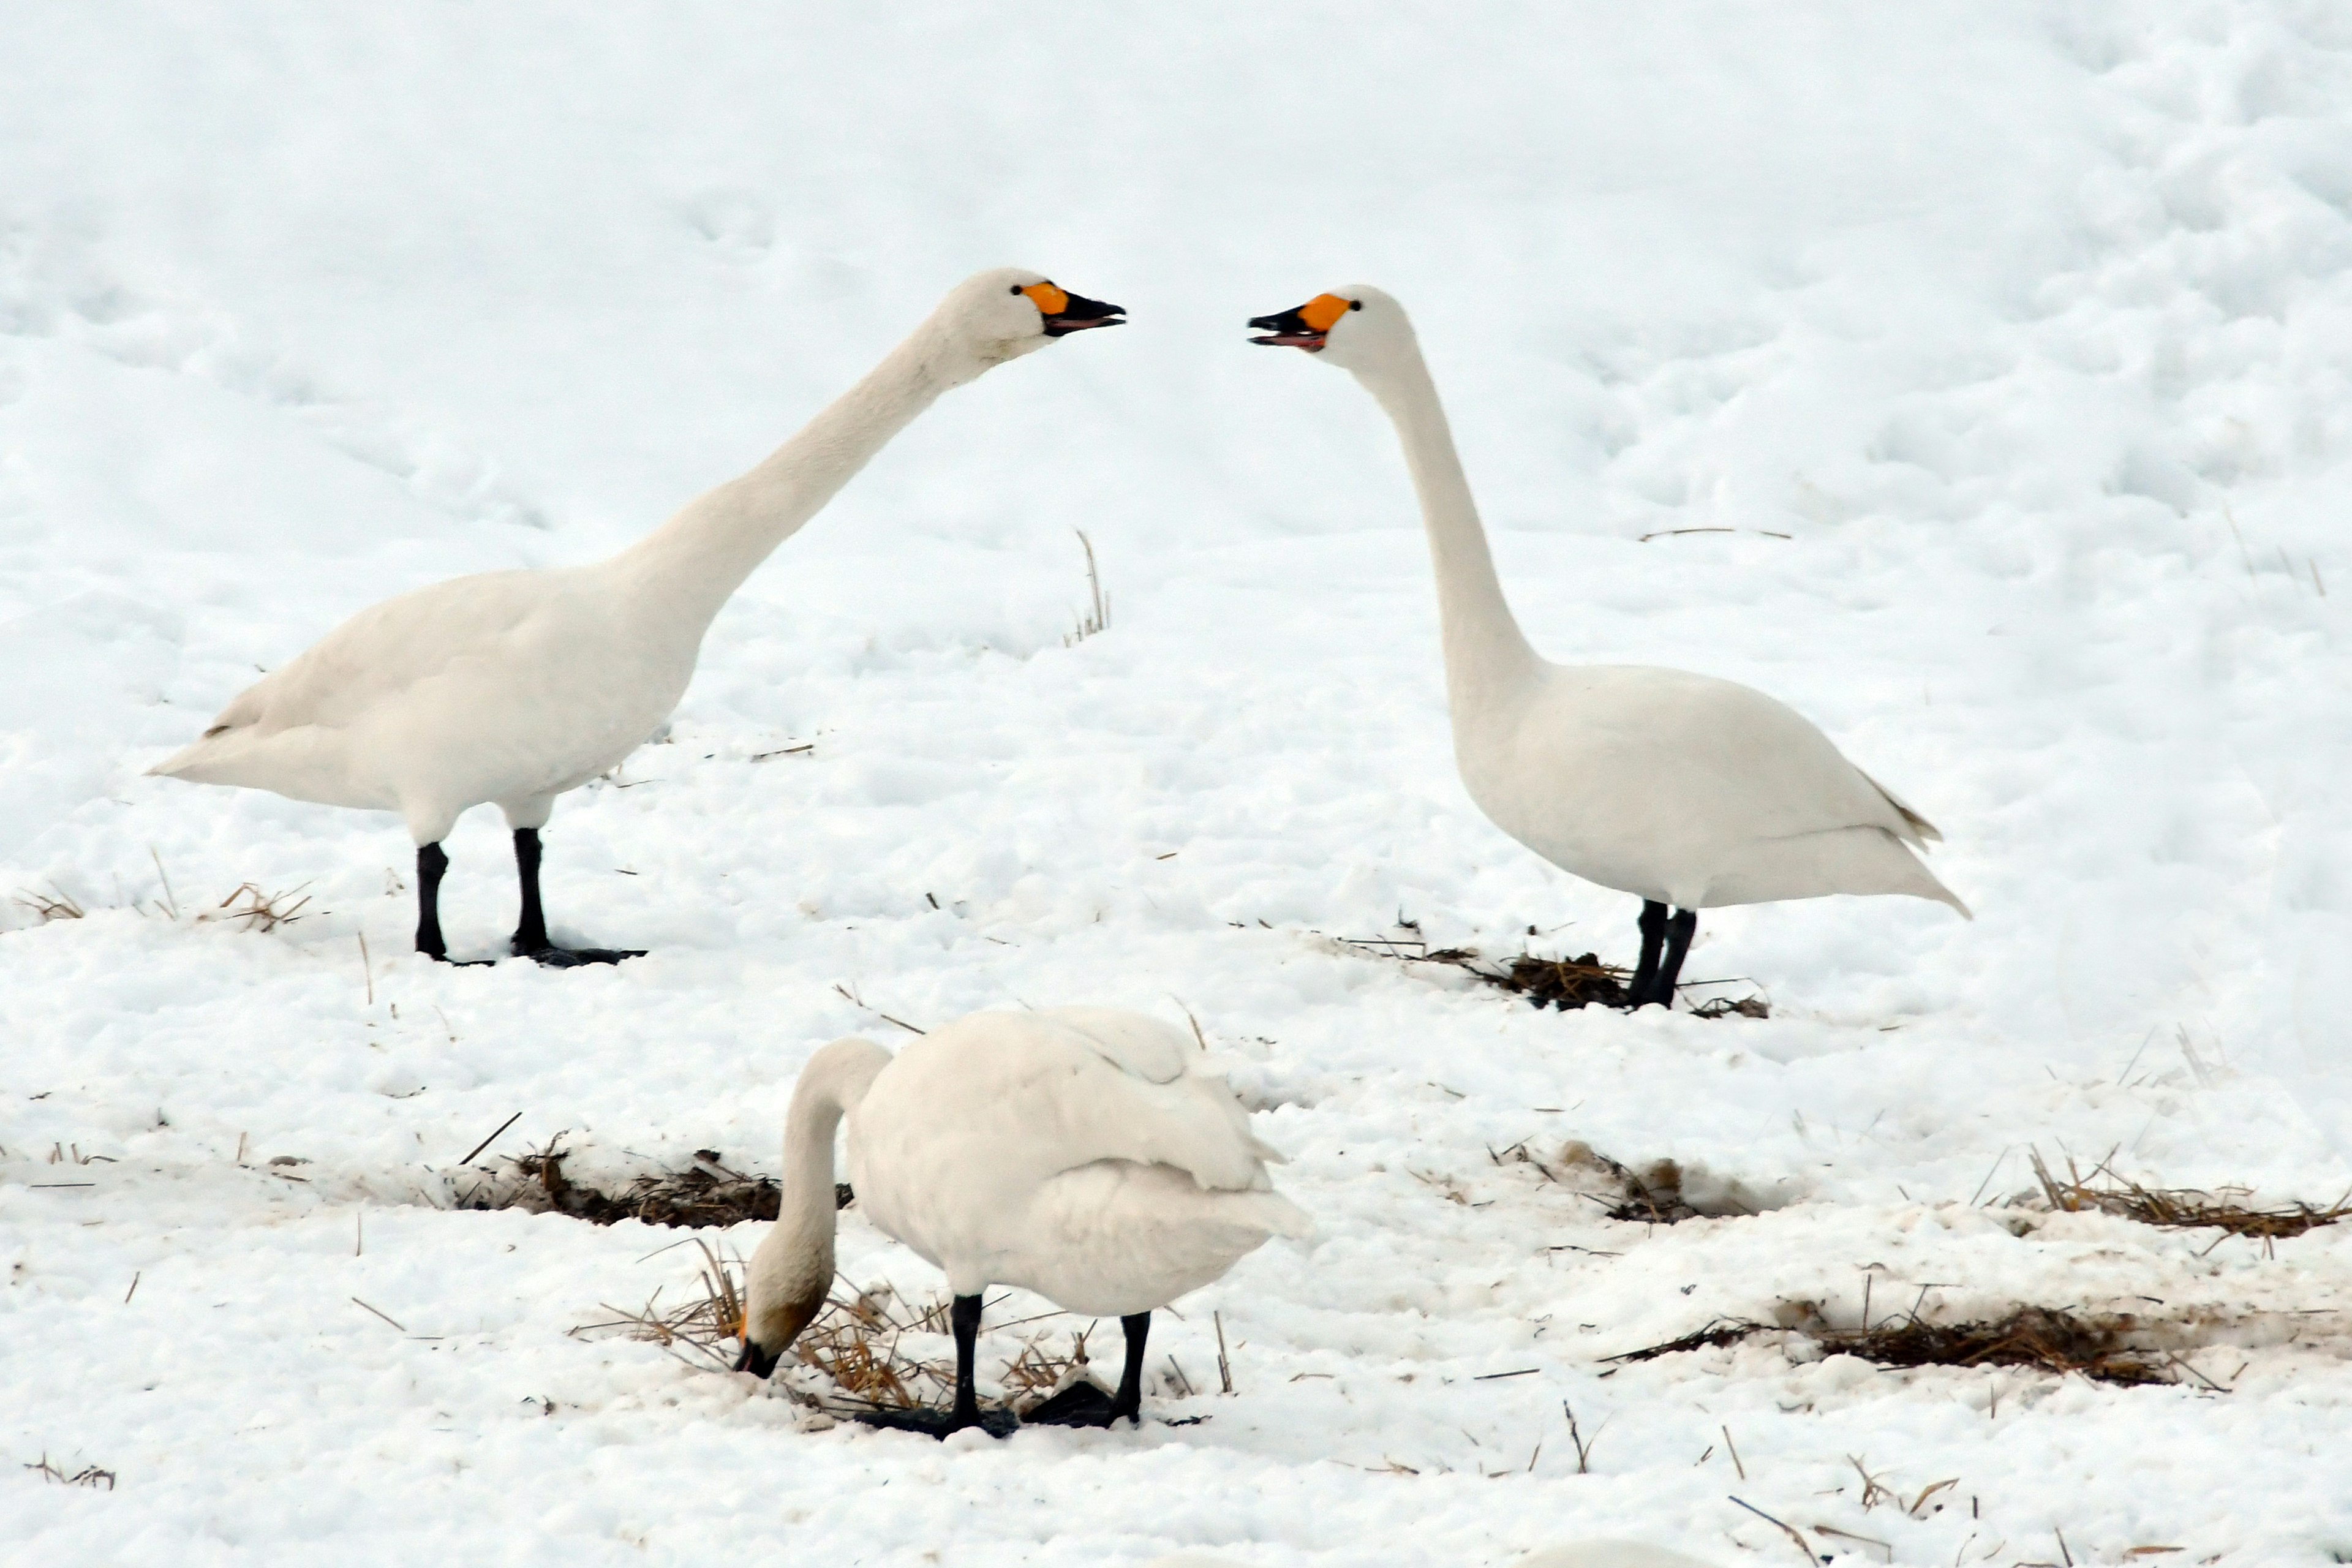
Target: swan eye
{"x": 1354, "y": 304}
{"x": 1015, "y": 289}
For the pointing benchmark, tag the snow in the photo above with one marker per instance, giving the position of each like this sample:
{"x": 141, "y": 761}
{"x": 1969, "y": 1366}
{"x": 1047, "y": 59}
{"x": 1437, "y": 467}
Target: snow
{"x": 2009, "y": 342}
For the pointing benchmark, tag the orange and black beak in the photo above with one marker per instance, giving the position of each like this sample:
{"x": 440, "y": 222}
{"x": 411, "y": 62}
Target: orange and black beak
{"x": 1304, "y": 328}
{"x": 1065, "y": 312}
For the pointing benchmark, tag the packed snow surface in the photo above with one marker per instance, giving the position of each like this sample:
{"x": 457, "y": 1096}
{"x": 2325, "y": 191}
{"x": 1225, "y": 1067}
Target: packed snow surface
{"x": 1971, "y": 377}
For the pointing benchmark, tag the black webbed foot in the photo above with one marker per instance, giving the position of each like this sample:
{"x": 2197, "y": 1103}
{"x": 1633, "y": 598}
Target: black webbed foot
{"x": 555, "y": 957}
{"x": 1083, "y": 1403}
{"x": 940, "y": 1423}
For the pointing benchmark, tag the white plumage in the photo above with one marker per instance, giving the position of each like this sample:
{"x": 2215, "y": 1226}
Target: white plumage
{"x": 1682, "y": 789}
{"x": 1075, "y": 1151}
{"x": 511, "y": 688}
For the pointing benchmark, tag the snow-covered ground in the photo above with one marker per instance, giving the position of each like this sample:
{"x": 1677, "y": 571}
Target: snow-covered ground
{"x": 1997, "y": 351}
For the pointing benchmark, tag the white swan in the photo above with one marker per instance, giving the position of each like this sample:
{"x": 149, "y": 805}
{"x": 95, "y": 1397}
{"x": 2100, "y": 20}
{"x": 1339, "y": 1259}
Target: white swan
{"x": 1684, "y": 790}
{"x": 511, "y": 688}
{"x": 1072, "y": 1151}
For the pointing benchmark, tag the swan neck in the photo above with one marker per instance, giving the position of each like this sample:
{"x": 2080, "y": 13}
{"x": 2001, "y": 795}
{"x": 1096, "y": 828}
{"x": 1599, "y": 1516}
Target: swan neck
{"x": 694, "y": 562}
{"x": 793, "y": 1268}
{"x": 1484, "y": 645}
{"x": 835, "y": 1080}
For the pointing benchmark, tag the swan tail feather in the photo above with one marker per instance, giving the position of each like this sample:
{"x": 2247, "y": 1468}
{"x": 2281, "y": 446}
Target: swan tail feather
{"x": 1917, "y": 829}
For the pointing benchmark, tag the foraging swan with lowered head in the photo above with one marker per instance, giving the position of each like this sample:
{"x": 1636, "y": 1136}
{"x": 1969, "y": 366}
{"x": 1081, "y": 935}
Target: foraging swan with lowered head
{"x": 1688, "y": 792}
{"x": 1074, "y": 1151}
{"x": 511, "y": 688}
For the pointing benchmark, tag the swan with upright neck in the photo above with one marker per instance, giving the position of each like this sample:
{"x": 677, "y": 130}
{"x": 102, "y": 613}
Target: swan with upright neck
{"x": 1075, "y": 1151}
{"x": 1688, "y": 792}
{"x": 511, "y": 688}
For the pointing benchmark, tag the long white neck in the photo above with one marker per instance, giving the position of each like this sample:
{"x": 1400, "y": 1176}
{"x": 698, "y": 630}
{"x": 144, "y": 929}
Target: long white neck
{"x": 793, "y": 1268}
{"x": 689, "y": 566}
{"x": 1486, "y": 656}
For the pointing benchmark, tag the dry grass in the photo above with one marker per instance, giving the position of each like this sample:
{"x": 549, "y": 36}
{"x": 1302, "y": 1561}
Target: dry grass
{"x": 2042, "y": 1338}
{"x": 1097, "y": 615}
{"x": 87, "y": 1475}
{"x": 702, "y": 1327}
{"x": 2102, "y": 1190}
{"x": 705, "y": 1193}
{"x": 257, "y": 910}
{"x": 864, "y": 1352}
{"x": 859, "y": 1346}
{"x": 53, "y": 905}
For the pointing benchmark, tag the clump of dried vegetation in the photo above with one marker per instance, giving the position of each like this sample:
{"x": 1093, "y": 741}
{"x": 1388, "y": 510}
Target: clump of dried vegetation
{"x": 866, "y": 1351}
{"x": 2104, "y": 1190}
{"x": 705, "y": 1193}
{"x": 2045, "y": 1338}
{"x": 87, "y": 1475}
{"x": 248, "y": 904}
{"x": 257, "y": 911}
{"x": 1566, "y": 983}
{"x": 53, "y": 905}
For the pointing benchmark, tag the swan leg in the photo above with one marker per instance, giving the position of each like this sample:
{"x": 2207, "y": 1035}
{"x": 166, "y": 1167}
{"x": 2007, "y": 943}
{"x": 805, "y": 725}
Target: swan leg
{"x": 531, "y": 931}
{"x": 432, "y": 861}
{"x": 1653, "y": 935}
{"x": 1679, "y": 932}
{"x": 963, "y": 1318}
{"x": 1128, "y": 1400}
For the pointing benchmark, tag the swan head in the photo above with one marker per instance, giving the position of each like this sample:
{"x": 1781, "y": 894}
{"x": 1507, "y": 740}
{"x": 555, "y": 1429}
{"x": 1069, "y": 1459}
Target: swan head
{"x": 1357, "y": 328}
{"x": 1008, "y": 311}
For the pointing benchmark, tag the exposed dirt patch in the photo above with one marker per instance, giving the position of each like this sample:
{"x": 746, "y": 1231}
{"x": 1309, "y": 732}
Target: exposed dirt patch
{"x": 1663, "y": 1192}
{"x": 1566, "y": 983}
{"x": 705, "y": 1193}
{"x": 2047, "y": 1339}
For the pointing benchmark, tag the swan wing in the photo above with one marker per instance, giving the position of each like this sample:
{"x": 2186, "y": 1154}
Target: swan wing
{"x": 1662, "y": 750}
{"x": 1027, "y": 1096}
{"x": 1158, "y": 1105}
{"x": 390, "y": 649}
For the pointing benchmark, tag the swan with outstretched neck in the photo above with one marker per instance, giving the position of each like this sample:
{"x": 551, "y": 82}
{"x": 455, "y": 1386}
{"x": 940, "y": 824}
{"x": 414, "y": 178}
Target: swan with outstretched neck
{"x": 1075, "y": 1151}
{"x": 511, "y": 688}
{"x": 1689, "y": 792}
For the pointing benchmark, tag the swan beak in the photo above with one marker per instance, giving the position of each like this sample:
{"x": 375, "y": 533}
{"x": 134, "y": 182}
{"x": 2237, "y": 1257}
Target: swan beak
{"x": 1307, "y": 327}
{"x": 1065, "y": 312}
{"x": 757, "y": 1361}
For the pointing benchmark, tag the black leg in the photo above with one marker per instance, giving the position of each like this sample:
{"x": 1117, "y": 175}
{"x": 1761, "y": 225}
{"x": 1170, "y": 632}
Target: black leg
{"x": 963, "y": 1317}
{"x": 1128, "y": 1400}
{"x": 431, "y": 861}
{"x": 1678, "y": 941}
{"x": 1653, "y": 933}
{"x": 531, "y": 931}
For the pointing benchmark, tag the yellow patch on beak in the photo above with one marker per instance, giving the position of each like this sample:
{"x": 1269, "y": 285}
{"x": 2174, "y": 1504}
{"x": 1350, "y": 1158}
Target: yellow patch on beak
{"x": 1049, "y": 299}
{"x": 1323, "y": 311}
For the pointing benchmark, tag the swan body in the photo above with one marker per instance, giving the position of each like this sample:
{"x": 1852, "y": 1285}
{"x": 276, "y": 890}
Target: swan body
{"x": 511, "y": 688}
{"x": 1686, "y": 790}
{"x": 1681, "y": 789}
{"x": 1075, "y": 1151}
